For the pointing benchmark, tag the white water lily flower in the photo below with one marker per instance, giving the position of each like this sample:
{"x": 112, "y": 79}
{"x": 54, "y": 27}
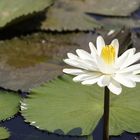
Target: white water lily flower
{"x": 104, "y": 67}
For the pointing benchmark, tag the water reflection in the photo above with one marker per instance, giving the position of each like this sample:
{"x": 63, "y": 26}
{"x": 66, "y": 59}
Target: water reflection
{"x": 23, "y": 131}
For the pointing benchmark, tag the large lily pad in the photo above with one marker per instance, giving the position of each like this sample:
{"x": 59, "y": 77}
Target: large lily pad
{"x": 73, "y": 109}
{"x": 66, "y": 15}
{"x": 9, "y": 10}
{"x": 64, "y": 108}
{"x": 4, "y": 133}
{"x": 71, "y": 15}
{"x": 9, "y": 104}
{"x": 32, "y": 60}
{"x": 29, "y": 61}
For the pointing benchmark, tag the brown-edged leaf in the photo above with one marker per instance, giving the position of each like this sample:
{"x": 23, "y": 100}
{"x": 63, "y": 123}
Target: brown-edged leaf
{"x": 68, "y": 15}
{"x": 29, "y": 61}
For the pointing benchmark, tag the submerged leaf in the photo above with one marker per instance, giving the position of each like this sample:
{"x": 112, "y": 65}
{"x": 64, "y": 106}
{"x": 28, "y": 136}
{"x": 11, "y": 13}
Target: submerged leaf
{"x": 72, "y": 14}
{"x": 9, "y": 104}
{"x": 66, "y": 15}
{"x": 116, "y": 22}
{"x": 4, "y": 133}
{"x": 73, "y": 109}
{"x": 105, "y": 7}
{"x": 29, "y": 61}
{"x": 9, "y": 10}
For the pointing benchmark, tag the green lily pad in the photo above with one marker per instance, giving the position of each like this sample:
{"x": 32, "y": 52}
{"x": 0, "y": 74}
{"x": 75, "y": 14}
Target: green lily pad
{"x": 73, "y": 109}
{"x": 64, "y": 15}
{"x": 9, "y": 104}
{"x": 4, "y": 133}
{"x": 9, "y": 10}
{"x": 66, "y": 107}
{"x": 125, "y": 112}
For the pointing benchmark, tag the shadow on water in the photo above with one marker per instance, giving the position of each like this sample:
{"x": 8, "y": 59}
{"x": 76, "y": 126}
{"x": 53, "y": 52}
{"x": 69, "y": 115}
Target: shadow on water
{"x": 23, "y": 131}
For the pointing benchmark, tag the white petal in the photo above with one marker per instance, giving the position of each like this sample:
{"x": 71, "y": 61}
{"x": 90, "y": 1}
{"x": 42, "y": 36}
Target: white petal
{"x": 124, "y": 80}
{"x": 72, "y": 56}
{"x": 104, "y": 81}
{"x": 91, "y": 81}
{"x": 100, "y": 43}
{"x": 84, "y": 64}
{"x": 86, "y": 76}
{"x": 115, "y": 87}
{"x": 132, "y": 68}
{"x": 72, "y": 63}
{"x": 136, "y": 72}
{"x": 92, "y": 49}
{"x": 77, "y": 63}
{"x": 115, "y": 44}
{"x": 131, "y": 60}
{"x": 83, "y": 54}
{"x": 133, "y": 77}
{"x": 73, "y": 71}
{"x": 124, "y": 56}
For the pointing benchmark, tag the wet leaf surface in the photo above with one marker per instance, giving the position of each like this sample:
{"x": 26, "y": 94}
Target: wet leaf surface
{"x": 32, "y": 60}
{"x": 69, "y": 15}
{"x": 9, "y": 10}
{"x": 29, "y": 61}
{"x": 73, "y": 109}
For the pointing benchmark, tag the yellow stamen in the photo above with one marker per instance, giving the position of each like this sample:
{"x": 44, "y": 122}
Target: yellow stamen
{"x": 108, "y": 54}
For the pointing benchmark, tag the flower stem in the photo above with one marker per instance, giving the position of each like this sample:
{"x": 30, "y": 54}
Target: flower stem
{"x": 106, "y": 114}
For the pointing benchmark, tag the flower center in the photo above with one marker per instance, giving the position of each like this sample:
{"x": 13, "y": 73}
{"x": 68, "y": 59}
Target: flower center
{"x": 108, "y": 54}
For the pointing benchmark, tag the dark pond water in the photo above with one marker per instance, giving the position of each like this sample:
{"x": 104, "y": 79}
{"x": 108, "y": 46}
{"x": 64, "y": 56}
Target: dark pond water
{"x": 23, "y": 131}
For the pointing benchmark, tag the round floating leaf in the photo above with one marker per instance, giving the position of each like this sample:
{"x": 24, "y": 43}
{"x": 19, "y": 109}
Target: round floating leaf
{"x": 9, "y": 104}
{"x": 4, "y": 133}
{"x": 65, "y": 107}
{"x": 23, "y": 69}
{"x": 12, "y": 9}
{"x": 125, "y": 111}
